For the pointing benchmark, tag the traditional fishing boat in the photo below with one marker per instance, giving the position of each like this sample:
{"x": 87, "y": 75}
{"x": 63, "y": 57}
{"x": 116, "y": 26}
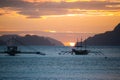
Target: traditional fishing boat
{"x": 80, "y": 52}
{"x": 12, "y": 49}
{"x": 78, "y": 49}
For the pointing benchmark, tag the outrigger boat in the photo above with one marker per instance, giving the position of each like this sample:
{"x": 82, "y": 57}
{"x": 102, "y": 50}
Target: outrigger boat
{"x": 12, "y": 50}
{"x": 80, "y": 52}
{"x": 78, "y": 49}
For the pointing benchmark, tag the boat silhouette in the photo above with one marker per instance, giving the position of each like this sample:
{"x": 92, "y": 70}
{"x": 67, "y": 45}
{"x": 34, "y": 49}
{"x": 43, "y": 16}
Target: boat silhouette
{"x": 78, "y": 49}
{"x": 12, "y": 49}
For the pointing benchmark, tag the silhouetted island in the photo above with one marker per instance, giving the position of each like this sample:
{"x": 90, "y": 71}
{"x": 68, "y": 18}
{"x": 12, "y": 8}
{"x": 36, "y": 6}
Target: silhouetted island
{"x": 109, "y": 38}
{"x": 30, "y": 40}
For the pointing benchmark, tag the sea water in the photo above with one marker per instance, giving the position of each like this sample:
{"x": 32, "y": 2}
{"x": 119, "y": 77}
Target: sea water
{"x": 102, "y": 63}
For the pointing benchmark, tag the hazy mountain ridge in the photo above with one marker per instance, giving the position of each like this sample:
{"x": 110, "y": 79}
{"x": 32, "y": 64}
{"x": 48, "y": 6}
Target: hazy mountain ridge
{"x": 109, "y": 38}
{"x": 30, "y": 40}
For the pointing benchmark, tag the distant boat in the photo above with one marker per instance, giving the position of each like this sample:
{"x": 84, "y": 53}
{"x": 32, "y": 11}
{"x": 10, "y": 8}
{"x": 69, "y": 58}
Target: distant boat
{"x": 12, "y": 50}
{"x": 78, "y": 49}
{"x": 80, "y": 52}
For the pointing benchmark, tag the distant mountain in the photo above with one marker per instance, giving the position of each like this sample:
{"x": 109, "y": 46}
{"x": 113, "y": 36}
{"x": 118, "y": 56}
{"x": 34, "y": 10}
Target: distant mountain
{"x": 29, "y": 40}
{"x": 109, "y": 38}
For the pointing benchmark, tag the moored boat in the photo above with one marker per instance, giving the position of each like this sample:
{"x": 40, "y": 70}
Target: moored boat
{"x": 78, "y": 50}
{"x": 12, "y": 49}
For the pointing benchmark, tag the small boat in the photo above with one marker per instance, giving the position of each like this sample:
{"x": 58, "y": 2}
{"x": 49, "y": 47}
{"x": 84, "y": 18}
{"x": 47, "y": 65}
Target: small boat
{"x": 12, "y": 50}
{"x": 78, "y": 49}
{"x": 80, "y": 52}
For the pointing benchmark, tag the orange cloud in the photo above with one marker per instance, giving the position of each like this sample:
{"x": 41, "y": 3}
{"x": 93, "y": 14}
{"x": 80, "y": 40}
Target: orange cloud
{"x": 42, "y": 8}
{"x": 113, "y": 6}
{"x": 70, "y": 0}
{"x": 43, "y": 0}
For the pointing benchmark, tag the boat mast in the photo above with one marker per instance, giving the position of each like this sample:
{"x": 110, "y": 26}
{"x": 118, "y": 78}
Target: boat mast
{"x": 77, "y": 43}
{"x": 81, "y": 43}
{"x": 85, "y": 44}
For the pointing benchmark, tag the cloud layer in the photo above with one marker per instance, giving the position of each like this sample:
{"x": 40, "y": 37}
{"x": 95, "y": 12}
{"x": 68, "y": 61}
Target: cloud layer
{"x": 40, "y": 8}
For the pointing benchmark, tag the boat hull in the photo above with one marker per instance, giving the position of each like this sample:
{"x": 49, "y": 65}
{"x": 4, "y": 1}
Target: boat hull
{"x": 80, "y": 52}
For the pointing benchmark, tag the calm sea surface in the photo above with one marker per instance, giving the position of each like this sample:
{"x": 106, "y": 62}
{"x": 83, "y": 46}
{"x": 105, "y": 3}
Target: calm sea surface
{"x": 52, "y": 66}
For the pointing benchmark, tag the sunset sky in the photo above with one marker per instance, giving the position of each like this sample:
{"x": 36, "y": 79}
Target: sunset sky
{"x": 59, "y": 16}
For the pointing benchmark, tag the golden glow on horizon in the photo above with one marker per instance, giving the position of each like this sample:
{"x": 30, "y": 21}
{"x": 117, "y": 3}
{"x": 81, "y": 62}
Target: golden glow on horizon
{"x": 69, "y": 44}
{"x": 66, "y": 43}
{"x": 72, "y": 43}
{"x": 71, "y": 0}
{"x": 51, "y": 31}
